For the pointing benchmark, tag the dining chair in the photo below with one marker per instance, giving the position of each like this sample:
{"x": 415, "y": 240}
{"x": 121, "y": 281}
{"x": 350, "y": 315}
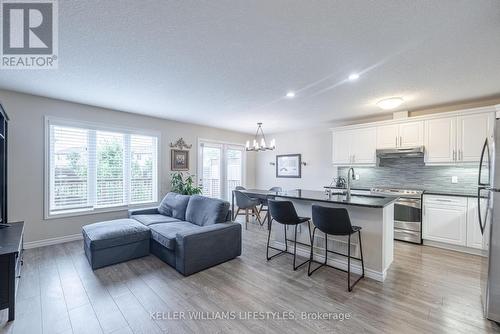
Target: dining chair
{"x": 244, "y": 202}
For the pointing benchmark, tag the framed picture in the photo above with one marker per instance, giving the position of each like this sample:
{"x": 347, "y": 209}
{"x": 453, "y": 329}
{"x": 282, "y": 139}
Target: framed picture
{"x": 179, "y": 160}
{"x": 288, "y": 165}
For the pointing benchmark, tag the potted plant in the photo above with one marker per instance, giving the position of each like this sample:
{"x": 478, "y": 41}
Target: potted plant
{"x": 184, "y": 184}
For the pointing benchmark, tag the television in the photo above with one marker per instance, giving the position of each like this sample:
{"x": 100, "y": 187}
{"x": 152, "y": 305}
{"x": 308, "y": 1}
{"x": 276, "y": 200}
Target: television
{"x": 4, "y": 119}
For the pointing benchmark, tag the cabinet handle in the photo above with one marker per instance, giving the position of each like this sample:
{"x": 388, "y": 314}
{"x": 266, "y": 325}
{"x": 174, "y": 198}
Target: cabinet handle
{"x": 396, "y": 141}
{"x": 460, "y": 155}
{"x": 454, "y": 155}
{"x": 400, "y": 141}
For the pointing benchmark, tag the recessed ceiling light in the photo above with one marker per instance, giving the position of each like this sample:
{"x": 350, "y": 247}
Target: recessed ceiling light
{"x": 354, "y": 76}
{"x": 390, "y": 103}
{"x": 290, "y": 94}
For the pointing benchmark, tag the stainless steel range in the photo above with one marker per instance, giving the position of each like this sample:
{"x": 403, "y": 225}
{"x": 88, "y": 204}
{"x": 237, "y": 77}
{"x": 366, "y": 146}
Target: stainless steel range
{"x": 407, "y": 213}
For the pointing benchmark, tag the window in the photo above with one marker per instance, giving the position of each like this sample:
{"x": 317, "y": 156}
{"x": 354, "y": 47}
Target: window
{"x": 221, "y": 168}
{"x": 91, "y": 168}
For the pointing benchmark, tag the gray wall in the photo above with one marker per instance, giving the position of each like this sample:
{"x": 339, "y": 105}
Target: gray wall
{"x": 411, "y": 173}
{"x": 26, "y": 156}
{"x": 315, "y": 145}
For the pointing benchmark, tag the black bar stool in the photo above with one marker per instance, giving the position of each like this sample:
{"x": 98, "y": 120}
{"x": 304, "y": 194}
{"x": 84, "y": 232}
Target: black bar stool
{"x": 336, "y": 221}
{"x": 284, "y": 213}
{"x": 263, "y": 203}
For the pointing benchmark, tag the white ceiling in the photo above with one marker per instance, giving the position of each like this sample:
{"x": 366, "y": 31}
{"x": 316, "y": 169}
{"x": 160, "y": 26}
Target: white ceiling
{"x": 229, "y": 63}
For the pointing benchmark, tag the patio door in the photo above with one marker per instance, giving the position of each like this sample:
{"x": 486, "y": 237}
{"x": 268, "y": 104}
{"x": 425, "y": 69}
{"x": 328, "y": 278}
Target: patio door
{"x": 220, "y": 168}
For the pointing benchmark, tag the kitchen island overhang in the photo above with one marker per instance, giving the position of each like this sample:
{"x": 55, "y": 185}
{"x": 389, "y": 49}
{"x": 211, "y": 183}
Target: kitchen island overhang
{"x": 374, "y": 214}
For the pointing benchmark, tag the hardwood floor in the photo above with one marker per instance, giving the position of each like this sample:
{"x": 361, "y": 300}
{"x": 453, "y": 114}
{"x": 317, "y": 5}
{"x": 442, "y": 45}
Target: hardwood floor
{"x": 427, "y": 290}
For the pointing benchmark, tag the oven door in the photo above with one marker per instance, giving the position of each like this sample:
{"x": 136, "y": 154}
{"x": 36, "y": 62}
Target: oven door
{"x": 408, "y": 220}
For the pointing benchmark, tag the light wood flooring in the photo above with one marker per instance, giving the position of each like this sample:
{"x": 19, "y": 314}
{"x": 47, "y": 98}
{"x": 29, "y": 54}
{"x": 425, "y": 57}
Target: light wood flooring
{"x": 427, "y": 290}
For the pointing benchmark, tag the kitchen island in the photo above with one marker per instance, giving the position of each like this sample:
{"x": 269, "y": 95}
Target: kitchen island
{"x": 374, "y": 214}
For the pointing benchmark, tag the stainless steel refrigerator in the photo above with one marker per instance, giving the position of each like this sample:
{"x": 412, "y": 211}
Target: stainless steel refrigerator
{"x": 489, "y": 221}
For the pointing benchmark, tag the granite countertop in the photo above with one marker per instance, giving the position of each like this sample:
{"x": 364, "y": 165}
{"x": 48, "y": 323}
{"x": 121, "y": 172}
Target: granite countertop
{"x": 370, "y": 201}
{"x": 450, "y": 193}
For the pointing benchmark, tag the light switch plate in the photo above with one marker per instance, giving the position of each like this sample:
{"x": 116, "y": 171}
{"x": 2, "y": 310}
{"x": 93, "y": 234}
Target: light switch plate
{"x": 454, "y": 179}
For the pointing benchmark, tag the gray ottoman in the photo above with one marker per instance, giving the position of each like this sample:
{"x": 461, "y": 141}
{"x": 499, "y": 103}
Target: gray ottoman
{"x": 115, "y": 241}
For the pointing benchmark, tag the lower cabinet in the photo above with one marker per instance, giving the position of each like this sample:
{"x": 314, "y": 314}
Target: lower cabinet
{"x": 445, "y": 219}
{"x": 453, "y": 220}
{"x": 474, "y": 236}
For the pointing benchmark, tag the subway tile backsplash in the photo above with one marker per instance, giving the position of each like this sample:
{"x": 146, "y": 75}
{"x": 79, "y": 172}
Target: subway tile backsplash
{"x": 411, "y": 173}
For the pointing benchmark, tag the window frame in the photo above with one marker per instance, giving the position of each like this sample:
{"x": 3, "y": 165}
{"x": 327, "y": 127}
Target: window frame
{"x": 224, "y": 145}
{"x": 51, "y": 120}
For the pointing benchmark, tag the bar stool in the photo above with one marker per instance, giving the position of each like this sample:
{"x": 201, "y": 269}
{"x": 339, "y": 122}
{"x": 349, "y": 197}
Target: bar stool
{"x": 246, "y": 203}
{"x": 336, "y": 221}
{"x": 284, "y": 213}
{"x": 263, "y": 203}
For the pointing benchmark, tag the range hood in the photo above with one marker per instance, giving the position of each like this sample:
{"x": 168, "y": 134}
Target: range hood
{"x": 391, "y": 153}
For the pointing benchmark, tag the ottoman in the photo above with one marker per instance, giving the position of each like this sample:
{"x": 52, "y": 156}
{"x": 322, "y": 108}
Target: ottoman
{"x": 115, "y": 241}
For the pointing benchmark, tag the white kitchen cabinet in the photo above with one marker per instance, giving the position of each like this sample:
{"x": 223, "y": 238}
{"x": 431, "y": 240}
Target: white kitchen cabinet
{"x": 341, "y": 147}
{"x": 387, "y": 136}
{"x": 363, "y": 149}
{"x": 406, "y": 134}
{"x": 457, "y": 139}
{"x": 445, "y": 219}
{"x": 355, "y": 146}
{"x": 411, "y": 134}
{"x": 474, "y": 236}
{"x": 472, "y": 131}
{"x": 440, "y": 140}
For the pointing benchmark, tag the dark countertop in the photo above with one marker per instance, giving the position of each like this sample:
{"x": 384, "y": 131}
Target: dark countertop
{"x": 448, "y": 193}
{"x": 9, "y": 238}
{"x": 370, "y": 201}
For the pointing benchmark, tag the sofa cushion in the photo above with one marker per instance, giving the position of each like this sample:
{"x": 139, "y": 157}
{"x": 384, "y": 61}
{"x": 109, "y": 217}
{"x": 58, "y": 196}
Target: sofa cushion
{"x": 154, "y": 219}
{"x": 174, "y": 205}
{"x": 165, "y": 233}
{"x": 204, "y": 211}
{"x": 114, "y": 233}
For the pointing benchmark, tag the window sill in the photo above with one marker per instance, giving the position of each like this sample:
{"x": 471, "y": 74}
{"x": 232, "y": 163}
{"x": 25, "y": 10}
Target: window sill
{"x": 98, "y": 211}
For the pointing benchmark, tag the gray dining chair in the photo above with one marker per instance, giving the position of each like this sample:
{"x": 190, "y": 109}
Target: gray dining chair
{"x": 264, "y": 205}
{"x": 244, "y": 202}
{"x": 240, "y": 188}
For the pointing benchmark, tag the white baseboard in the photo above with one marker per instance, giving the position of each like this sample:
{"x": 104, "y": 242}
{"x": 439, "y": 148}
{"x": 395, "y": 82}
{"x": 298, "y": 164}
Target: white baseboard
{"x": 457, "y": 248}
{"x": 337, "y": 263}
{"x": 52, "y": 241}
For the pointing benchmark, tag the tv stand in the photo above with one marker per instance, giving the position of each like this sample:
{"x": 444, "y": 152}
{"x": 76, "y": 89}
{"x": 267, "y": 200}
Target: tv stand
{"x": 11, "y": 260}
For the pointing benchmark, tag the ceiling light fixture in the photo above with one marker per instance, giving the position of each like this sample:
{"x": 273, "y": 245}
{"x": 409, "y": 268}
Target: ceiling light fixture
{"x": 353, "y": 77}
{"x": 390, "y": 103}
{"x": 262, "y": 146}
{"x": 290, "y": 95}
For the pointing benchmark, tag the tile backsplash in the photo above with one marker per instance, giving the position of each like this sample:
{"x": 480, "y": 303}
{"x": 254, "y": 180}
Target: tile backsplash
{"x": 411, "y": 173}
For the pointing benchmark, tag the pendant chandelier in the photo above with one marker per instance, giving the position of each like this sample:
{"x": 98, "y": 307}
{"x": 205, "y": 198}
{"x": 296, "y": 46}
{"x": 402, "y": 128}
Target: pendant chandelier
{"x": 263, "y": 145}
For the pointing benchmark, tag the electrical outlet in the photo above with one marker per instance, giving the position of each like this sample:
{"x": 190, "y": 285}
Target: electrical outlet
{"x": 356, "y": 176}
{"x": 454, "y": 179}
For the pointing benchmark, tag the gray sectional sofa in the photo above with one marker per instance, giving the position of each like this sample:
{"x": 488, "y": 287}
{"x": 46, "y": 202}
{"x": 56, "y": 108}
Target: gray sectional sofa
{"x": 190, "y": 233}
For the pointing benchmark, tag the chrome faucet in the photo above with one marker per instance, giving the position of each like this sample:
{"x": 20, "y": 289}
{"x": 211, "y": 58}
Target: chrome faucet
{"x": 348, "y": 193}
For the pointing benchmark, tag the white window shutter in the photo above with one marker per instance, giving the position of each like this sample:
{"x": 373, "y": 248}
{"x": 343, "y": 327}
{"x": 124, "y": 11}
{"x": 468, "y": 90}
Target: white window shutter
{"x": 68, "y": 168}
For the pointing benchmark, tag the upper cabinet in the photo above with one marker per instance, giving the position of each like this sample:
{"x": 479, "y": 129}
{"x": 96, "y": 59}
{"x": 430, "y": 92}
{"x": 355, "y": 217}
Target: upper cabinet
{"x": 448, "y": 138}
{"x": 341, "y": 147}
{"x": 472, "y": 130}
{"x": 440, "y": 137}
{"x": 457, "y": 139}
{"x": 407, "y": 134}
{"x": 355, "y": 146}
